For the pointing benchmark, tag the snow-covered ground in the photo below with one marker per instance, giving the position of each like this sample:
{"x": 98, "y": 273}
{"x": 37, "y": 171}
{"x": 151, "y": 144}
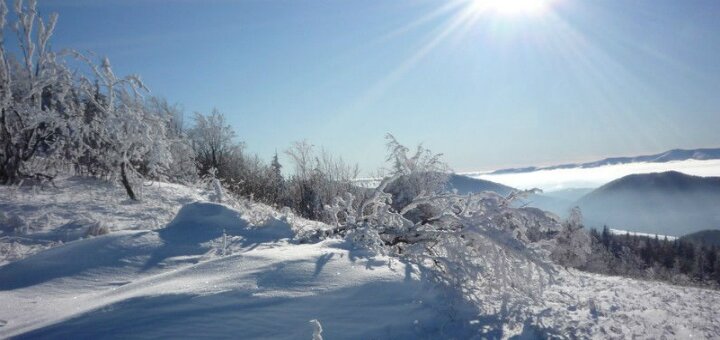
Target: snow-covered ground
{"x": 633, "y": 233}
{"x": 176, "y": 266}
{"x": 51, "y": 215}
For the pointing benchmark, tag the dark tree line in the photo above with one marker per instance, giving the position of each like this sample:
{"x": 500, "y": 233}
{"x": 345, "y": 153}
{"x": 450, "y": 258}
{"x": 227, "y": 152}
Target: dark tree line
{"x": 677, "y": 261}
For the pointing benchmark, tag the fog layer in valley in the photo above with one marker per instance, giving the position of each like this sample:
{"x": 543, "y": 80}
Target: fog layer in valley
{"x": 559, "y": 179}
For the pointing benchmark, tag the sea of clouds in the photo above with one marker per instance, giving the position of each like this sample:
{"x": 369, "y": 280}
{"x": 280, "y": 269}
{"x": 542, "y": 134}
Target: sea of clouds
{"x": 559, "y": 179}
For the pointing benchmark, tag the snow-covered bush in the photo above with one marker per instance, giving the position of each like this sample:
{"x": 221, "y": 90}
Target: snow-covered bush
{"x": 37, "y": 106}
{"x": 97, "y": 229}
{"x": 134, "y": 138}
{"x": 218, "y": 189}
{"x": 317, "y": 330}
{"x": 213, "y": 141}
{"x": 54, "y": 119}
{"x": 317, "y": 180}
{"x": 214, "y": 146}
{"x": 419, "y": 173}
{"x": 181, "y": 167}
{"x": 12, "y": 224}
{"x": 573, "y": 244}
{"x": 477, "y": 244}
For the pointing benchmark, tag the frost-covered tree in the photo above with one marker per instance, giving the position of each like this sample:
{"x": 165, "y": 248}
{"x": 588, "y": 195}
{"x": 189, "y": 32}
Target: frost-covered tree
{"x": 490, "y": 252}
{"x": 182, "y": 166}
{"x": 88, "y": 122}
{"x": 574, "y": 245}
{"x": 418, "y": 173}
{"x": 213, "y": 140}
{"x": 37, "y": 113}
{"x": 134, "y": 139}
{"x": 276, "y": 180}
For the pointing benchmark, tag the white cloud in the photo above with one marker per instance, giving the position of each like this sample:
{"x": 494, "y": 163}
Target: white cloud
{"x": 551, "y": 180}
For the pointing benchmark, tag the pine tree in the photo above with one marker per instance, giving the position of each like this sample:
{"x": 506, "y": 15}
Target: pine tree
{"x": 276, "y": 166}
{"x": 606, "y": 237}
{"x": 277, "y": 185}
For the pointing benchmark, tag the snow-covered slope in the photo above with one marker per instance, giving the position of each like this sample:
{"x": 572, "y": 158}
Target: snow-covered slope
{"x": 236, "y": 271}
{"x": 212, "y": 273}
{"x": 34, "y": 218}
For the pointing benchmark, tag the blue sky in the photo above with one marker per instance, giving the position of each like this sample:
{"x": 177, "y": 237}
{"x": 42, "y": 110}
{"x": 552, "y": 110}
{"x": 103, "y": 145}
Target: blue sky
{"x": 579, "y": 81}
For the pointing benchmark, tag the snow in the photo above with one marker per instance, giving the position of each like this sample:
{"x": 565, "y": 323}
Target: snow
{"x": 177, "y": 266}
{"x": 65, "y": 212}
{"x": 601, "y": 306}
{"x": 633, "y": 233}
{"x": 266, "y": 286}
{"x": 270, "y": 291}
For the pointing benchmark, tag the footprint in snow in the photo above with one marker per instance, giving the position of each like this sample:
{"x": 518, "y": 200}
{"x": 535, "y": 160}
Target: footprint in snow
{"x": 3, "y": 322}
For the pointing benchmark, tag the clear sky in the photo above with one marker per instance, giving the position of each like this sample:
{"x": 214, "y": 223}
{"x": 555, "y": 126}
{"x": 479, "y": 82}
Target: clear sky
{"x": 576, "y": 80}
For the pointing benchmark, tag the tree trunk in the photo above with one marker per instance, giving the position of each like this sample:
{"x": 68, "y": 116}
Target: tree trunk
{"x": 10, "y": 172}
{"x": 126, "y": 182}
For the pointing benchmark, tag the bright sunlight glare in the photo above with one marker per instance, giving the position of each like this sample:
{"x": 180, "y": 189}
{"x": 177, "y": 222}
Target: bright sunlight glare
{"x": 510, "y": 7}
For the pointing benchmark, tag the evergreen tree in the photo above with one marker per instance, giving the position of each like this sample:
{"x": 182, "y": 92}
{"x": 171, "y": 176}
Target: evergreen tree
{"x": 277, "y": 182}
{"x": 606, "y": 237}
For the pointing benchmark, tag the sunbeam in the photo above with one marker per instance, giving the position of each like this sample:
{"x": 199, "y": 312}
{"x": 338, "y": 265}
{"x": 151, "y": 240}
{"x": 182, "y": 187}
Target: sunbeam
{"x": 510, "y": 7}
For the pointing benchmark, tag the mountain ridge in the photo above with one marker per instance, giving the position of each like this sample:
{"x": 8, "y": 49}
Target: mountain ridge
{"x": 663, "y": 157}
{"x": 670, "y": 203}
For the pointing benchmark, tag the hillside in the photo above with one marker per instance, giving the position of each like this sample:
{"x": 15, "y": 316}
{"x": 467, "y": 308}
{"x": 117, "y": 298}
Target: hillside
{"x": 558, "y": 204}
{"x": 237, "y": 268}
{"x": 208, "y": 271}
{"x": 670, "y": 203}
{"x": 707, "y": 238}
{"x": 465, "y": 185}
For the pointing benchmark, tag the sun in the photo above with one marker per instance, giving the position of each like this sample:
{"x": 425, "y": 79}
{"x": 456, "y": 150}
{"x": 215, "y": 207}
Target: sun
{"x": 509, "y": 7}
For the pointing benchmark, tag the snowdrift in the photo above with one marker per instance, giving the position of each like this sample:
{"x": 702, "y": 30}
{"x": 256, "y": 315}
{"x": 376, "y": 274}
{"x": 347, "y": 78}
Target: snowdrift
{"x": 176, "y": 282}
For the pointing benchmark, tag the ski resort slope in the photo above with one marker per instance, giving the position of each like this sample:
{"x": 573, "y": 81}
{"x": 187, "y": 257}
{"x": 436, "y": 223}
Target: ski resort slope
{"x": 236, "y": 271}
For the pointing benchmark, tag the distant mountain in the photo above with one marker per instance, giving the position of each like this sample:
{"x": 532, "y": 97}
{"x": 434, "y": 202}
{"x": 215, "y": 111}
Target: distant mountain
{"x": 668, "y": 156}
{"x": 706, "y": 238}
{"x": 669, "y": 203}
{"x": 557, "y": 205}
{"x": 465, "y": 185}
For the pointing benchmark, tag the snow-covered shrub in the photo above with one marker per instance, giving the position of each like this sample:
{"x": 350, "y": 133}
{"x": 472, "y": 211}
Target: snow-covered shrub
{"x": 213, "y": 141}
{"x": 477, "y": 244}
{"x": 317, "y": 330}
{"x": 317, "y": 180}
{"x": 134, "y": 138}
{"x": 37, "y": 107}
{"x": 420, "y": 173}
{"x": 97, "y": 229}
{"x": 54, "y": 119}
{"x": 481, "y": 246}
{"x": 244, "y": 175}
{"x": 181, "y": 167}
{"x": 573, "y": 244}
{"x": 218, "y": 189}
{"x": 12, "y": 224}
